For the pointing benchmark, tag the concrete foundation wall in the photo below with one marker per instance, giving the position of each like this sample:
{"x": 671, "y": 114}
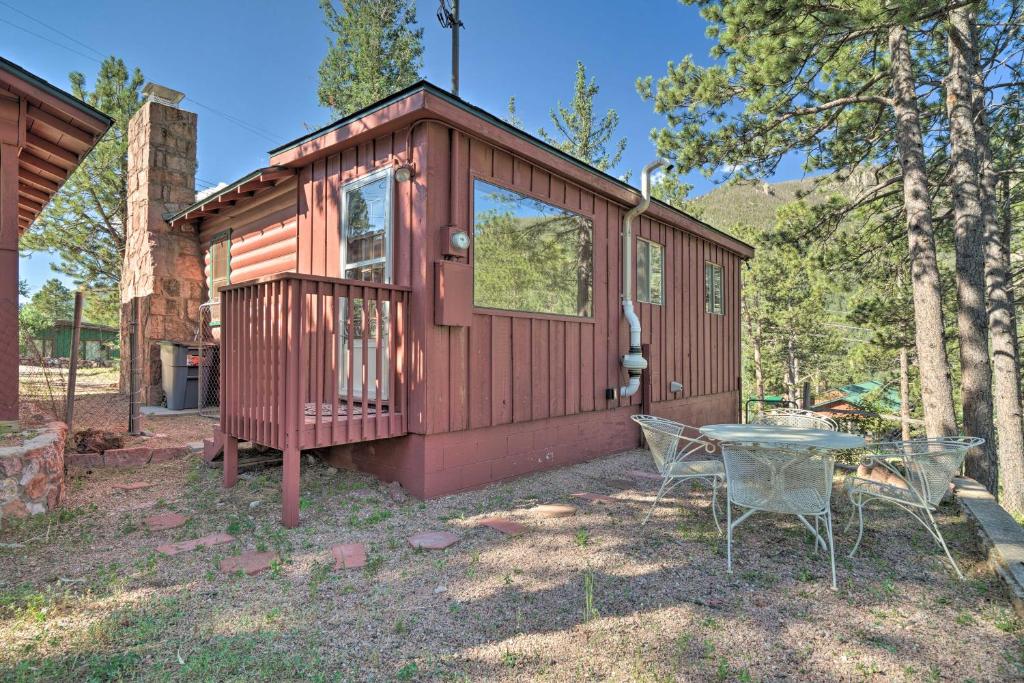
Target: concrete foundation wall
{"x": 439, "y": 464}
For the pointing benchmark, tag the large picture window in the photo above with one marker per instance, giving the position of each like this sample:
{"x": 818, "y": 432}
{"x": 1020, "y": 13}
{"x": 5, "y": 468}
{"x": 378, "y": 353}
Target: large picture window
{"x": 529, "y": 255}
{"x": 650, "y": 260}
{"x": 714, "y": 298}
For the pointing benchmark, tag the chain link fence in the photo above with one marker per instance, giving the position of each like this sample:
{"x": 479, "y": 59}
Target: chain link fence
{"x": 102, "y": 392}
{"x": 207, "y": 338}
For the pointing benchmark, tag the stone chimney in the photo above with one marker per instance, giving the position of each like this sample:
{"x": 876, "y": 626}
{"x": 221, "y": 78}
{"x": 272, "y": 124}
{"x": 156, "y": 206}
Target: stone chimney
{"x": 163, "y": 269}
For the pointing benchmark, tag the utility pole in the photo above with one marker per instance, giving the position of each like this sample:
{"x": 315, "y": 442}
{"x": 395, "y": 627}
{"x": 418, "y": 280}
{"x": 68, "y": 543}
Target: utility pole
{"x": 449, "y": 18}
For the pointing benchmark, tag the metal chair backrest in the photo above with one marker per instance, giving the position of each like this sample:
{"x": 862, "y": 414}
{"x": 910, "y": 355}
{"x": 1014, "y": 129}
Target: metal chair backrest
{"x": 930, "y": 464}
{"x": 795, "y": 417}
{"x": 669, "y": 441}
{"x": 782, "y": 478}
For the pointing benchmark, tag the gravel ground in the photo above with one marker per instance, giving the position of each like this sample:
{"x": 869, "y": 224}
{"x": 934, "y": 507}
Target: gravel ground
{"x": 594, "y": 596}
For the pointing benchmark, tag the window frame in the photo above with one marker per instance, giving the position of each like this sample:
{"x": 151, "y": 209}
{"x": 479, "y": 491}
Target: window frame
{"x": 389, "y": 229}
{"x": 661, "y": 250}
{"x": 223, "y": 237}
{"x": 711, "y": 307}
{"x": 526, "y": 194}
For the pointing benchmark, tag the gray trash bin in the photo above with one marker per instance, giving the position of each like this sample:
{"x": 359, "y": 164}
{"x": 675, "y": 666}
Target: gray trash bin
{"x": 180, "y": 374}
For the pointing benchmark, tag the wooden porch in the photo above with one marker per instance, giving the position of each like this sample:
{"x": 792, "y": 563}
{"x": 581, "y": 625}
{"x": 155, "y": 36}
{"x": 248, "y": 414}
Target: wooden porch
{"x": 310, "y": 362}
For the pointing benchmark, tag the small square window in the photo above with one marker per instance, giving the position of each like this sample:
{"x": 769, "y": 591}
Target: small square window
{"x": 714, "y": 297}
{"x": 650, "y": 267}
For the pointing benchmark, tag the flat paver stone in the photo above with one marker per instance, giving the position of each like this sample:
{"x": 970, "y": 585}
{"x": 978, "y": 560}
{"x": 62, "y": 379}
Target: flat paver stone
{"x": 433, "y": 540}
{"x": 250, "y": 562}
{"x": 596, "y": 498}
{"x": 644, "y": 474}
{"x": 505, "y": 526}
{"x": 166, "y": 520}
{"x": 349, "y": 555}
{"x": 554, "y": 510}
{"x": 136, "y": 486}
{"x": 190, "y": 545}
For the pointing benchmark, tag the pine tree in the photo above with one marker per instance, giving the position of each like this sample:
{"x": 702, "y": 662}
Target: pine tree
{"x": 375, "y": 50}
{"x": 577, "y": 130}
{"x": 85, "y": 222}
{"x": 817, "y": 80}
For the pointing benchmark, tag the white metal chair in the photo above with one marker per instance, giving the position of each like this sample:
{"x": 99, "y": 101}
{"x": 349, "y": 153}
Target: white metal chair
{"x": 675, "y": 448}
{"x": 782, "y": 478}
{"x": 917, "y": 474}
{"x": 795, "y": 417}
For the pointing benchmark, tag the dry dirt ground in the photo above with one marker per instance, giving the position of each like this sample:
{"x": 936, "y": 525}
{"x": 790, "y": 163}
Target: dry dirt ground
{"x": 84, "y": 596}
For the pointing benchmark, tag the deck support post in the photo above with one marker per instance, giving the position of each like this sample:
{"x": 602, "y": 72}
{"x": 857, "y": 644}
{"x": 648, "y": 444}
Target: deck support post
{"x": 290, "y": 487}
{"x": 230, "y": 461}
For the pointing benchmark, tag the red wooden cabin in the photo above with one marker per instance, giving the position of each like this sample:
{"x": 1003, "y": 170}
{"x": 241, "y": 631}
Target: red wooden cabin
{"x": 435, "y": 296}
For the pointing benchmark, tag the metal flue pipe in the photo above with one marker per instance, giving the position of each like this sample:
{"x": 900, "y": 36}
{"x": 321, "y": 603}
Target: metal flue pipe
{"x": 634, "y": 361}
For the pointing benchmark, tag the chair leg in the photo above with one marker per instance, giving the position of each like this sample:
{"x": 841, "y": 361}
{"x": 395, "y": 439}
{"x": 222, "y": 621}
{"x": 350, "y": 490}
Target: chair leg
{"x": 831, "y": 546}
{"x": 728, "y": 536}
{"x": 860, "y": 518}
{"x": 661, "y": 492}
{"x": 714, "y": 503}
{"x": 942, "y": 542}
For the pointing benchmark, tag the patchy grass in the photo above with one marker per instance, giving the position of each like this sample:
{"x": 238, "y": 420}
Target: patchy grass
{"x": 84, "y": 596}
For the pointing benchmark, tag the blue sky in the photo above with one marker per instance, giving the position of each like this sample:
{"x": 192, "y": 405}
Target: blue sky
{"x": 255, "y": 61}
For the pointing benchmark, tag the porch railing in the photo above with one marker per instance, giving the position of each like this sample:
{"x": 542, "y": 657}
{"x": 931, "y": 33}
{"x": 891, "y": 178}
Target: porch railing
{"x": 310, "y": 362}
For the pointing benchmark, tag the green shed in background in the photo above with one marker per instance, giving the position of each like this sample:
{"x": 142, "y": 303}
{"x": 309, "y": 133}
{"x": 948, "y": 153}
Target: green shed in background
{"x": 97, "y": 342}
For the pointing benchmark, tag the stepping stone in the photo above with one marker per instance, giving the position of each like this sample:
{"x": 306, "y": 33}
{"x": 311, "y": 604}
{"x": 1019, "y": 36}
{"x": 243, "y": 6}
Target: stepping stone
{"x": 505, "y": 526}
{"x": 167, "y": 520}
{"x": 349, "y": 556}
{"x": 595, "y": 498}
{"x": 644, "y": 474}
{"x": 189, "y": 546}
{"x": 433, "y": 540}
{"x": 554, "y": 510}
{"x": 250, "y": 562}
{"x": 133, "y": 487}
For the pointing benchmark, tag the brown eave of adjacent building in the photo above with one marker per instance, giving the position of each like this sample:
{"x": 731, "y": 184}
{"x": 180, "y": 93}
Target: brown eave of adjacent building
{"x": 53, "y": 131}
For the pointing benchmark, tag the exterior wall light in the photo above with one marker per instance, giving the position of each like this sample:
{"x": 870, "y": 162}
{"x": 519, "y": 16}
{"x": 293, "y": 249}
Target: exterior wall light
{"x": 404, "y": 172}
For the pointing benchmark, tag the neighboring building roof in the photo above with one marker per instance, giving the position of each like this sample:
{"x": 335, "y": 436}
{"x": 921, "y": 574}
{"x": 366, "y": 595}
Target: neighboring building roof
{"x": 85, "y": 326}
{"x": 55, "y": 132}
{"x": 854, "y": 394}
{"x": 291, "y": 152}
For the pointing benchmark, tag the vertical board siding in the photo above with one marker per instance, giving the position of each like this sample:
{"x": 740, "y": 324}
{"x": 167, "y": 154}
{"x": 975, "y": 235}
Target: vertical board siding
{"x": 511, "y": 367}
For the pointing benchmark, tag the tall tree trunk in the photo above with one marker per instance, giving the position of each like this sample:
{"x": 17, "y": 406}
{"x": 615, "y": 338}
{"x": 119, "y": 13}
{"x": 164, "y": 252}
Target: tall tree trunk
{"x": 790, "y": 372}
{"x": 969, "y": 232}
{"x": 936, "y": 388}
{"x": 904, "y": 393}
{"x": 1009, "y": 425}
{"x": 755, "y": 341}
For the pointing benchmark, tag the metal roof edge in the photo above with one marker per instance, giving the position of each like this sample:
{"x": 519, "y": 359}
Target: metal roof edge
{"x": 172, "y": 216}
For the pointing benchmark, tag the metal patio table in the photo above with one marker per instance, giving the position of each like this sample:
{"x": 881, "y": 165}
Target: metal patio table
{"x": 766, "y": 435}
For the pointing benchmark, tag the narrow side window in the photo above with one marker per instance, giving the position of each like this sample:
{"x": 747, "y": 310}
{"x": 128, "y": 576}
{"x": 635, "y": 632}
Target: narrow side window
{"x": 714, "y": 297}
{"x": 220, "y": 273}
{"x": 650, "y": 259}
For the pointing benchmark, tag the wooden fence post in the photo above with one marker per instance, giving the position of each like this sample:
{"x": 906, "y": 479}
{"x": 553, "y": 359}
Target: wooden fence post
{"x": 76, "y": 336}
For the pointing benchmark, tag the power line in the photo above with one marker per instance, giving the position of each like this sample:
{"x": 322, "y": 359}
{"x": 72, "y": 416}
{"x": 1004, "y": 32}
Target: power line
{"x": 240, "y": 123}
{"x": 52, "y": 28}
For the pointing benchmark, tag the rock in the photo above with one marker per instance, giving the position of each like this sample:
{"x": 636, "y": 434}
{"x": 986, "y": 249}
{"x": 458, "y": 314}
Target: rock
{"x": 595, "y": 498}
{"x": 36, "y": 486}
{"x": 10, "y": 466}
{"x": 188, "y": 546}
{"x": 254, "y": 504}
{"x": 97, "y": 441}
{"x": 439, "y": 590}
{"x": 126, "y": 457}
{"x": 349, "y": 555}
{"x": 166, "y": 453}
{"x": 250, "y": 562}
{"x": 433, "y": 540}
{"x": 397, "y": 493}
{"x": 15, "y": 508}
{"x": 554, "y": 510}
{"x": 167, "y": 520}
{"x": 505, "y": 526}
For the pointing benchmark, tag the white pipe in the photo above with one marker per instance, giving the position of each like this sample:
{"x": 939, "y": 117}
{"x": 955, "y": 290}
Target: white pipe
{"x": 634, "y": 362}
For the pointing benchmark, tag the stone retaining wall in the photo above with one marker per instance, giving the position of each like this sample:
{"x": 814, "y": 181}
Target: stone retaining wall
{"x": 32, "y": 474}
